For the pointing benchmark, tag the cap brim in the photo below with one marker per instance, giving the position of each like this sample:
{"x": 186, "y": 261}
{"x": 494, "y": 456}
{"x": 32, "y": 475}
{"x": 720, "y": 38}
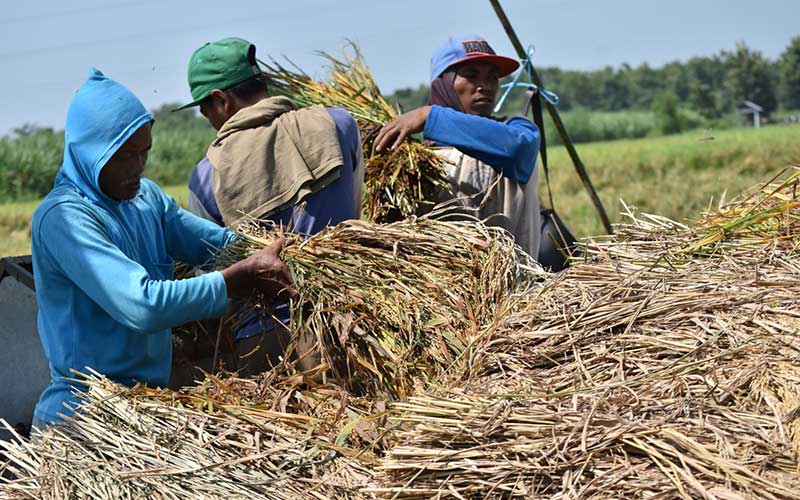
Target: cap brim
{"x": 187, "y": 106}
{"x": 505, "y": 65}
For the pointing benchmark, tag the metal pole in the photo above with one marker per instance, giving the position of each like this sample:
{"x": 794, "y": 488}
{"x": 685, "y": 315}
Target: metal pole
{"x": 562, "y": 131}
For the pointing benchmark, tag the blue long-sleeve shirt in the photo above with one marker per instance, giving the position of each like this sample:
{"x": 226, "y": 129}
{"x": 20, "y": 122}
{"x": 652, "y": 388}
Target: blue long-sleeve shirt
{"x": 104, "y": 268}
{"x": 510, "y": 147}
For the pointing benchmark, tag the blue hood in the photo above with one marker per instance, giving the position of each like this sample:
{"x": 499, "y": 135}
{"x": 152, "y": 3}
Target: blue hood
{"x": 104, "y": 269}
{"x": 101, "y": 117}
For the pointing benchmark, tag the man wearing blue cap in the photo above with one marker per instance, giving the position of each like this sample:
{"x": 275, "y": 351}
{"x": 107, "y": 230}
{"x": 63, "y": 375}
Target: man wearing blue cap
{"x": 301, "y": 168}
{"x": 490, "y": 163}
{"x": 103, "y": 243}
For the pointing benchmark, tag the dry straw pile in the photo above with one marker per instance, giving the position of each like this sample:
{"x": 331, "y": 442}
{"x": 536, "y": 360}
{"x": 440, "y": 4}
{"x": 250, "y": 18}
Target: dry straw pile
{"x": 399, "y": 183}
{"x": 389, "y": 307}
{"x": 665, "y": 364}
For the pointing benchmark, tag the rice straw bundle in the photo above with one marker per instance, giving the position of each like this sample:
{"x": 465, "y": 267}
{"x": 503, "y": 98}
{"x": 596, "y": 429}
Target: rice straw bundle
{"x": 769, "y": 214}
{"x": 653, "y": 368}
{"x": 643, "y": 372}
{"x": 143, "y": 443}
{"x": 463, "y": 446}
{"x": 399, "y": 183}
{"x": 668, "y": 386}
{"x": 391, "y": 306}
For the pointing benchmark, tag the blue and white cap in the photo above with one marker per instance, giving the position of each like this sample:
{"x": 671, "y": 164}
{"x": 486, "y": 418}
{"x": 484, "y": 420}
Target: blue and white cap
{"x": 469, "y": 48}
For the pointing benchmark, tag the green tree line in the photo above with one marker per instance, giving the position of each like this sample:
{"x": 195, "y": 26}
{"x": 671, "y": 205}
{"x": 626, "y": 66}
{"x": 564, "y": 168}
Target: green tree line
{"x": 711, "y": 86}
{"x": 605, "y": 104}
{"x": 31, "y": 156}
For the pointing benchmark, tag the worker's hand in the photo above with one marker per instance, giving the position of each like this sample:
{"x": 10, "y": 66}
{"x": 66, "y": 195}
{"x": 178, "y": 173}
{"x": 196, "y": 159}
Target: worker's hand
{"x": 264, "y": 272}
{"x": 398, "y": 130}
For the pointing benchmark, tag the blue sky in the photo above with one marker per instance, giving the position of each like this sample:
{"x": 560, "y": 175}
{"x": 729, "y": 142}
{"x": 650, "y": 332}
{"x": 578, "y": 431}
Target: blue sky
{"x": 47, "y": 46}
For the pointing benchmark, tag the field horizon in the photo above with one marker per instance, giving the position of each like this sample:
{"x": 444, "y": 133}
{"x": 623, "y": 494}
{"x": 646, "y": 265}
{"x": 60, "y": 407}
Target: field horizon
{"x": 676, "y": 176}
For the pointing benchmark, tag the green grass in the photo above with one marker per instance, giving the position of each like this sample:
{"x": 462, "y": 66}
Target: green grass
{"x": 676, "y": 176}
{"x": 591, "y": 126}
{"x": 784, "y": 113}
{"x": 30, "y": 157}
{"x": 28, "y": 162}
{"x": 15, "y": 220}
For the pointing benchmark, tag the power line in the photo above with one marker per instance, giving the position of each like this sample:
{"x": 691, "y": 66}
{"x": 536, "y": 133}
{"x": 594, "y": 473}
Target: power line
{"x": 167, "y": 31}
{"x": 62, "y": 13}
{"x": 146, "y": 67}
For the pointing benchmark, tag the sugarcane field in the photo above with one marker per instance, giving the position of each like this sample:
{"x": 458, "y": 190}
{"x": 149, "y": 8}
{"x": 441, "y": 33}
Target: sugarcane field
{"x": 248, "y": 255}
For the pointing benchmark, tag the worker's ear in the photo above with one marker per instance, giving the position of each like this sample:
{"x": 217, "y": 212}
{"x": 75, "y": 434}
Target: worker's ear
{"x": 221, "y": 99}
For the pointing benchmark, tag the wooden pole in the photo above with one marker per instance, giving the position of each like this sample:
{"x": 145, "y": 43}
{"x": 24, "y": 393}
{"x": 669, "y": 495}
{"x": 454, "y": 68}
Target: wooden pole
{"x": 562, "y": 131}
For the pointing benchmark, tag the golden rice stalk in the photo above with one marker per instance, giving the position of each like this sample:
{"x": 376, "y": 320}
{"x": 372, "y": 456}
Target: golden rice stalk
{"x": 399, "y": 183}
{"x": 769, "y": 213}
{"x": 391, "y": 307}
{"x": 605, "y": 446}
{"x": 134, "y": 443}
{"x": 643, "y": 371}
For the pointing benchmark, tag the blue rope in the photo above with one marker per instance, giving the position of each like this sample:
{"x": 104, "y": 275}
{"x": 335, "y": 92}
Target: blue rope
{"x": 525, "y": 67}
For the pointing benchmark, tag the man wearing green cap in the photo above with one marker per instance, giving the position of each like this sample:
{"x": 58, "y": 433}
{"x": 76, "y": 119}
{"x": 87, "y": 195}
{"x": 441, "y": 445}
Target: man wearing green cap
{"x": 302, "y": 168}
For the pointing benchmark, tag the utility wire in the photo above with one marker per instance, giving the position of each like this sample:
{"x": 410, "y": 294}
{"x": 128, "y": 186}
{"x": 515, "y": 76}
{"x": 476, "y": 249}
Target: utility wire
{"x": 172, "y": 30}
{"x": 63, "y": 13}
{"x": 573, "y": 153}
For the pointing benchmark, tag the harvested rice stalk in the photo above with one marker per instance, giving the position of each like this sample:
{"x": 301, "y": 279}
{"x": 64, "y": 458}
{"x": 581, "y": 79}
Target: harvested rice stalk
{"x": 143, "y": 443}
{"x": 643, "y": 371}
{"x": 768, "y": 214}
{"x": 399, "y": 183}
{"x": 463, "y": 446}
{"x": 391, "y": 306}
{"x": 692, "y": 359}
{"x": 636, "y": 374}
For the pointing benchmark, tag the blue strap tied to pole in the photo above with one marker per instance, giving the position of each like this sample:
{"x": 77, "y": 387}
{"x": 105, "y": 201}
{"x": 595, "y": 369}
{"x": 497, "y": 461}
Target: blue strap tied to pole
{"x": 525, "y": 67}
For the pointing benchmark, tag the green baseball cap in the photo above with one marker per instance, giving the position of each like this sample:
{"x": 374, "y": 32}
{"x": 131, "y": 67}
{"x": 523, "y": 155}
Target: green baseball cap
{"x": 220, "y": 65}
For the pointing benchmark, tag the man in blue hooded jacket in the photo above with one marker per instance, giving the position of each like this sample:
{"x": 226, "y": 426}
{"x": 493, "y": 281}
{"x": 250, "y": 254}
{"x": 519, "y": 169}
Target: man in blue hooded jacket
{"x": 103, "y": 244}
